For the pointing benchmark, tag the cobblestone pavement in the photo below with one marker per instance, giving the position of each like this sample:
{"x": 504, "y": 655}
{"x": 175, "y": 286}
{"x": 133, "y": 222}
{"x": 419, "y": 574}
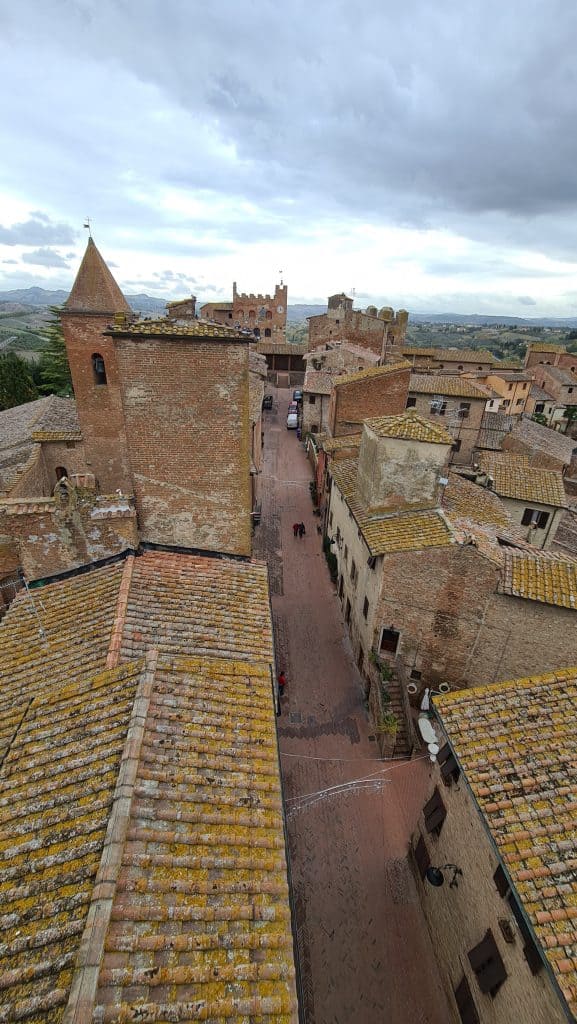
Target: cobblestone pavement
{"x": 364, "y": 949}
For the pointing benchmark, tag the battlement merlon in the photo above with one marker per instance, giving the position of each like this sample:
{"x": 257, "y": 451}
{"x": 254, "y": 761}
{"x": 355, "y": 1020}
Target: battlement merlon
{"x": 280, "y": 295}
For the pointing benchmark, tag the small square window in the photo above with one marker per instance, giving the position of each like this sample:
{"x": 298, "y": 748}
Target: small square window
{"x": 411, "y": 402}
{"x": 485, "y": 959}
{"x": 389, "y": 640}
{"x": 421, "y": 855}
{"x": 312, "y": 399}
{"x": 465, "y": 1005}
{"x": 434, "y": 813}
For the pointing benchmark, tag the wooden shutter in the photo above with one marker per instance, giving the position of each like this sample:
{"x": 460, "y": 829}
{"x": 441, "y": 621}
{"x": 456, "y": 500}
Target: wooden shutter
{"x": 450, "y": 770}
{"x": 422, "y": 859}
{"x": 435, "y": 813}
{"x": 487, "y": 964}
{"x": 501, "y": 881}
{"x": 465, "y": 1005}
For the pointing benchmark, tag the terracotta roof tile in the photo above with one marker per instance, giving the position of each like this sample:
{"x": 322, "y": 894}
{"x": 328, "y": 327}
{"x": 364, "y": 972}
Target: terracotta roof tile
{"x": 543, "y": 439}
{"x": 465, "y": 500}
{"x": 545, "y": 577}
{"x": 515, "y": 742}
{"x": 447, "y": 384}
{"x": 514, "y": 478}
{"x": 194, "y": 877}
{"x": 410, "y": 427}
{"x": 538, "y": 346}
{"x": 319, "y": 382}
{"x": 385, "y": 532}
{"x": 334, "y": 444}
{"x": 371, "y": 371}
{"x": 203, "y": 875}
{"x": 465, "y": 355}
{"x": 177, "y": 329}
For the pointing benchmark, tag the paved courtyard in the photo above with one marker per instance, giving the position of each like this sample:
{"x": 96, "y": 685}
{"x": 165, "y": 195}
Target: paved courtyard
{"x": 363, "y": 945}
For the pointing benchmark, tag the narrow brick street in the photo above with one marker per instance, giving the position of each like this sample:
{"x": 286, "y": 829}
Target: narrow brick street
{"x": 363, "y": 946}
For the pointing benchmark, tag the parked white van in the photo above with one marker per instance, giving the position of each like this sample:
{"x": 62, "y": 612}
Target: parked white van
{"x": 292, "y": 420}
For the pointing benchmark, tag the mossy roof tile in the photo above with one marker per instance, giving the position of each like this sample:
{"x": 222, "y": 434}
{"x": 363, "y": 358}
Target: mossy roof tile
{"x": 515, "y": 742}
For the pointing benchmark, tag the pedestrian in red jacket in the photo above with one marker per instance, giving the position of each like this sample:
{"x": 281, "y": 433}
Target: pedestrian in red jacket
{"x": 281, "y": 681}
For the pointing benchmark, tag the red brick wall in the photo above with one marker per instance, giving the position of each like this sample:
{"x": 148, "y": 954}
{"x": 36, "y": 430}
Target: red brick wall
{"x": 186, "y": 410}
{"x": 384, "y": 395}
{"x": 455, "y": 628}
{"x": 57, "y": 453}
{"x": 366, "y": 331}
{"x": 52, "y": 539}
{"x": 267, "y": 312}
{"x": 99, "y": 407}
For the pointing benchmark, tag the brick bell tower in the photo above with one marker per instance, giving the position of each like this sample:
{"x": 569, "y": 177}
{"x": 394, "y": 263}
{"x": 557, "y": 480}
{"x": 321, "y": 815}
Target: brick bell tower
{"x": 90, "y": 308}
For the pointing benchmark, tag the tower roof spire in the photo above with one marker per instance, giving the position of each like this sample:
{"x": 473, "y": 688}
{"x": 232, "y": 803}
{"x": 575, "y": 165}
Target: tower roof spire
{"x": 95, "y": 290}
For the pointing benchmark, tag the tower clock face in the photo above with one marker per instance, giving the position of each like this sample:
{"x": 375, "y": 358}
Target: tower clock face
{"x": 279, "y": 309}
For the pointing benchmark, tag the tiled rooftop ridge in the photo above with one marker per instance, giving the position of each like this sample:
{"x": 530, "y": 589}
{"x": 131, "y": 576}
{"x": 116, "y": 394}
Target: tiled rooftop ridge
{"x": 200, "y": 926}
{"x": 80, "y": 1005}
{"x": 120, "y": 617}
{"x": 409, "y": 426}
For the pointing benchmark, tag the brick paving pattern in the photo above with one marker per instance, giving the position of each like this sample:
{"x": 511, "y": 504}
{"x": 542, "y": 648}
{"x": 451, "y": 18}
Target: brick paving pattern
{"x": 363, "y": 945}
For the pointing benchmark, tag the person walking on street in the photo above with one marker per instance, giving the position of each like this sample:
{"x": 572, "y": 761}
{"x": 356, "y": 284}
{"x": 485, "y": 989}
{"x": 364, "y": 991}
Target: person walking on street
{"x": 295, "y": 529}
{"x": 281, "y": 681}
{"x": 302, "y": 530}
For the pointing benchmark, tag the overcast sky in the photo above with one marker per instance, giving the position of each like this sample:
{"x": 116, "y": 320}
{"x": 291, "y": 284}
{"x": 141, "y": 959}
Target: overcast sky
{"x": 422, "y": 152}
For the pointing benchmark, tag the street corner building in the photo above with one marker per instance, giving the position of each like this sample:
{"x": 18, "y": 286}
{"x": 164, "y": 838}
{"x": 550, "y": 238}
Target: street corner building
{"x": 143, "y": 873}
{"x": 495, "y": 851}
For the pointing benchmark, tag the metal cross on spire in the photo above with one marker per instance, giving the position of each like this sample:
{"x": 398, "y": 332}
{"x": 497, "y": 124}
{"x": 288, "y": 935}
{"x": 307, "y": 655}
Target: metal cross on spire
{"x": 88, "y": 226}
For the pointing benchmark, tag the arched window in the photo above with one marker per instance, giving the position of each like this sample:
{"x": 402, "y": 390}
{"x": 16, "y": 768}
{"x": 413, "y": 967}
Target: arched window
{"x": 267, "y": 332}
{"x": 256, "y": 332}
{"x": 61, "y": 472}
{"x": 252, "y": 314}
{"x": 268, "y": 314}
{"x": 98, "y": 368}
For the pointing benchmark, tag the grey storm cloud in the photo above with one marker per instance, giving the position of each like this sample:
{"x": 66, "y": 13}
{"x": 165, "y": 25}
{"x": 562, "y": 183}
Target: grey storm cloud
{"x": 448, "y": 115}
{"x": 526, "y": 300}
{"x": 37, "y": 230}
{"x": 44, "y": 258}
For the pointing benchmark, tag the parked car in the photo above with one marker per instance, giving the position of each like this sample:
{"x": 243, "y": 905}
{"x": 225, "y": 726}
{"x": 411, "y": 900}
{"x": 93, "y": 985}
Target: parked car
{"x": 292, "y": 420}
{"x": 297, "y": 395}
{"x": 267, "y": 402}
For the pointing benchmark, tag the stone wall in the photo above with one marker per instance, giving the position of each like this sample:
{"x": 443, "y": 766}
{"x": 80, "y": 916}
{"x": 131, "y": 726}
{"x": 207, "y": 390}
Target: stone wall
{"x": 458, "y": 918}
{"x": 455, "y": 628}
{"x": 381, "y": 395}
{"x": 464, "y": 430}
{"x": 186, "y": 409}
{"x": 51, "y": 536}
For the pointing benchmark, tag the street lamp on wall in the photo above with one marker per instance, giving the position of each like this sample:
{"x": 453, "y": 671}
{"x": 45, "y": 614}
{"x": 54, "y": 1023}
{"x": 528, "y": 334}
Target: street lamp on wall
{"x": 436, "y": 877}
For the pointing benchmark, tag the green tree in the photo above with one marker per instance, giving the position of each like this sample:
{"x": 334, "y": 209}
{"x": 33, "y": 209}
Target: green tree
{"x": 54, "y": 368}
{"x": 16, "y": 384}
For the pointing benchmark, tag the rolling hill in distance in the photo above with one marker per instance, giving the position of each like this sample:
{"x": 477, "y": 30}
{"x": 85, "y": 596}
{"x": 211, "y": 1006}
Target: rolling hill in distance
{"x": 38, "y": 298}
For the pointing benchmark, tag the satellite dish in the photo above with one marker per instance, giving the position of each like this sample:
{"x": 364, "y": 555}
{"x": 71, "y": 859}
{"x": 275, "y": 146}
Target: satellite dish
{"x": 444, "y": 688}
{"x": 433, "y": 748}
{"x": 412, "y": 688}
